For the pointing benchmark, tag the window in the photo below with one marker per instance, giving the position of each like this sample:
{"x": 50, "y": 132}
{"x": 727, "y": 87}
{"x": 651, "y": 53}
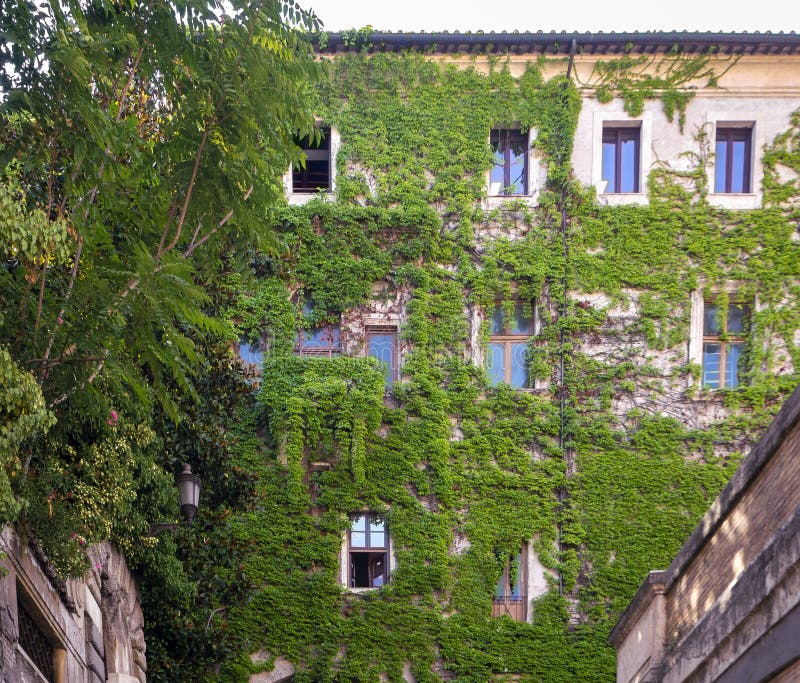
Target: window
{"x": 251, "y": 352}
{"x": 368, "y": 552}
{"x": 620, "y": 171}
{"x": 35, "y": 644}
{"x": 507, "y": 357}
{"x": 723, "y": 344}
{"x": 732, "y": 167}
{"x": 509, "y": 175}
{"x": 317, "y": 339}
{"x": 511, "y": 595}
{"x": 315, "y": 175}
{"x": 382, "y": 344}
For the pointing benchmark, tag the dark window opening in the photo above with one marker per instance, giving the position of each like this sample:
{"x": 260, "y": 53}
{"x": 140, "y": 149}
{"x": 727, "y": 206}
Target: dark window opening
{"x": 620, "y": 160}
{"x": 367, "y": 570}
{"x": 368, "y": 555}
{"x": 509, "y": 175}
{"x": 732, "y": 167}
{"x": 35, "y": 643}
{"x": 315, "y": 174}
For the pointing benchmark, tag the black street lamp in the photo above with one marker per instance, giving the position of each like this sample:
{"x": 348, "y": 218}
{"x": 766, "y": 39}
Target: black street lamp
{"x": 189, "y": 496}
{"x": 188, "y": 492}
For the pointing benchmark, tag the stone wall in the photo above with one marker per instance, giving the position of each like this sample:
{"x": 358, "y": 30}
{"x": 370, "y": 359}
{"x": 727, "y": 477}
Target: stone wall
{"x": 87, "y": 629}
{"x": 728, "y": 607}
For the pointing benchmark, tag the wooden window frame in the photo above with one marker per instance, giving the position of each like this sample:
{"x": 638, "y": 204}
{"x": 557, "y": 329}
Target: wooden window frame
{"x": 727, "y": 135}
{"x": 504, "y": 601}
{"x": 723, "y": 339}
{"x": 368, "y": 548}
{"x": 617, "y": 135}
{"x": 509, "y": 340}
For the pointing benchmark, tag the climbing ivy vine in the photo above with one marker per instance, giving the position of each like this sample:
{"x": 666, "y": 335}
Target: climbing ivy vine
{"x": 605, "y": 467}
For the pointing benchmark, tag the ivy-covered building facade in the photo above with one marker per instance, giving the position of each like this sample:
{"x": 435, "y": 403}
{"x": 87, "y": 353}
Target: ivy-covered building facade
{"x": 537, "y": 296}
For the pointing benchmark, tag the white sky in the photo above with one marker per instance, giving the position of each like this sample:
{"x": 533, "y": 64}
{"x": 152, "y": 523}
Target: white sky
{"x": 559, "y": 15}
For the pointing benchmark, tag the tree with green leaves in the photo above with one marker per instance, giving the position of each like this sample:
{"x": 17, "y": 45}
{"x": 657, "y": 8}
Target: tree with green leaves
{"x": 140, "y": 142}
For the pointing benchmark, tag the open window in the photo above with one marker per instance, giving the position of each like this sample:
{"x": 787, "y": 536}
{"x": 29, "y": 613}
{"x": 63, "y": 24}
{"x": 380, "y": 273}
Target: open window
{"x": 511, "y": 594}
{"x": 367, "y": 551}
{"x": 509, "y": 174}
{"x": 507, "y": 354}
{"x": 315, "y": 175}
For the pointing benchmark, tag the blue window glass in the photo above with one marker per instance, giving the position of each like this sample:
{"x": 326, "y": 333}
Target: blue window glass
{"x": 732, "y": 164}
{"x": 620, "y": 160}
{"x": 382, "y": 344}
{"x": 723, "y": 344}
{"x": 319, "y": 339}
{"x": 251, "y": 352}
{"x": 507, "y": 354}
{"x": 712, "y": 355}
{"x": 509, "y": 173}
{"x": 733, "y": 356}
{"x": 496, "y": 363}
{"x": 519, "y": 365}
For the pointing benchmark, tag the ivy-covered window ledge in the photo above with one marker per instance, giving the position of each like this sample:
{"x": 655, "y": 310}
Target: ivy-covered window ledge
{"x": 298, "y": 199}
{"x": 511, "y": 204}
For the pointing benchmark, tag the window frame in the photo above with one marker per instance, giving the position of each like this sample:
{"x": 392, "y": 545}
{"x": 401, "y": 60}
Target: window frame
{"x": 504, "y": 600}
{"x": 313, "y": 153}
{"x": 249, "y": 364}
{"x": 724, "y": 339}
{"x": 730, "y": 132}
{"x": 394, "y": 366}
{"x": 508, "y": 184}
{"x": 509, "y": 340}
{"x": 622, "y": 134}
{"x": 382, "y": 551}
{"x": 47, "y": 631}
{"x": 330, "y": 337}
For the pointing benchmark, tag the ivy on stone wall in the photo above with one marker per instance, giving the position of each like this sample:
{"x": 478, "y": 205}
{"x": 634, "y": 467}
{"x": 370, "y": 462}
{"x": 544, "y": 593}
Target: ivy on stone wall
{"x": 606, "y": 469}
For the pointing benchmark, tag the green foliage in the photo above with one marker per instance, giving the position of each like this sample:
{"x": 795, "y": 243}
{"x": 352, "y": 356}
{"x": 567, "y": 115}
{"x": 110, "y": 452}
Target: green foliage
{"x": 673, "y": 79}
{"x": 22, "y": 416}
{"x": 140, "y": 141}
{"x": 591, "y": 469}
{"x": 605, "y": 489}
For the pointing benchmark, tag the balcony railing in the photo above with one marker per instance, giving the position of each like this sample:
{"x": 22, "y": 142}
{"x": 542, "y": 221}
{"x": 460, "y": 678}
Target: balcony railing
{"x": 514, "y": 607}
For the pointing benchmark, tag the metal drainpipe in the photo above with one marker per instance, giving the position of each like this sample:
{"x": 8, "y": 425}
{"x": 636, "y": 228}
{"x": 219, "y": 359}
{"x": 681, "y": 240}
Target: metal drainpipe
{"x": 562, "y": 493}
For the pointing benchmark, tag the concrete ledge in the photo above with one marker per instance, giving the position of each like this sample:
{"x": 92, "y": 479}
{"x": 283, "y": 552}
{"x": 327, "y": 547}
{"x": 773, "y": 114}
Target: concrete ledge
{"x": 653, "y": 585}
{"x": 766, "y": 592}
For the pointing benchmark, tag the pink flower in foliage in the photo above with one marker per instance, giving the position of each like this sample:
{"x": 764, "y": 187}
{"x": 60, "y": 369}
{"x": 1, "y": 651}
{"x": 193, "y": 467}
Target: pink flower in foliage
{"x": 114, "y": 417}
{"x": 60, "y": 320}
